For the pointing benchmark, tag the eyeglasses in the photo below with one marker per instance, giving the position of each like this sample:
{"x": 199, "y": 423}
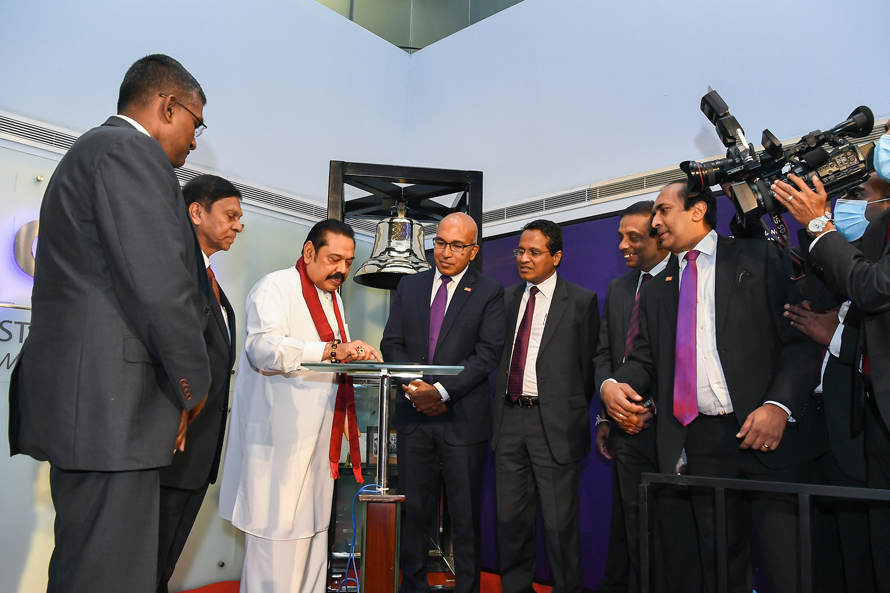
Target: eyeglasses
{"x": 200, "y": 126}
{"x": 532, "y": 252}
{"x": 456, "y": 246}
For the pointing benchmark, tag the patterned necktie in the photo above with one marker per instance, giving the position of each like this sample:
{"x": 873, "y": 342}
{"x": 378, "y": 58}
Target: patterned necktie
{"x": 214, "y": 284}
{"x": 520, "y": 348}
{"x": 437, "y": 315}
{"x": 633, "y": 327}
{"x": 685, "y": 384}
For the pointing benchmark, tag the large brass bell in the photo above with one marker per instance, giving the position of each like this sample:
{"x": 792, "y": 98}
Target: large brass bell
{"x": 398, "y": 251}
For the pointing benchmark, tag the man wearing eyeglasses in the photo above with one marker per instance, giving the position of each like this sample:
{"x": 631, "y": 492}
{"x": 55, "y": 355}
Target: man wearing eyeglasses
{"x": 116, "y": 364}
{"x": 541, "y": 419}
{"x": 452, "y": 315}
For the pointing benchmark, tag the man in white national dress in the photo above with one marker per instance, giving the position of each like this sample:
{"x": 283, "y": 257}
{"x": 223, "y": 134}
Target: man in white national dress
{"x": 287, "y": 422}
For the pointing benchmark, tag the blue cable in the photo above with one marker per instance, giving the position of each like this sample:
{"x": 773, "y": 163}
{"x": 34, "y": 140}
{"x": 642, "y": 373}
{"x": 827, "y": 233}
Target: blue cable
{"x": 351, "y": 559}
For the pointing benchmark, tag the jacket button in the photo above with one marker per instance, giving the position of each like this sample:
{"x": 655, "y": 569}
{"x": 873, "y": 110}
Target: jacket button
{"x": 232, "y": 372}
{"x": 222, "y": 408}
{"x": 188, "y": 396}
{"x": 206, "y": 310}
{"x": 183, "y": 382}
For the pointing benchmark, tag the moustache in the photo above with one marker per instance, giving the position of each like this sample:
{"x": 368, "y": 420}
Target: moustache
{"x": 336, "y": 276}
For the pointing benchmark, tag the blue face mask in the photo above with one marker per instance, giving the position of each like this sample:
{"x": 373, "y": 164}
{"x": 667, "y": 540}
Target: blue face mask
{"x": 849, "y": 218}
{"x": 882, "y": 158}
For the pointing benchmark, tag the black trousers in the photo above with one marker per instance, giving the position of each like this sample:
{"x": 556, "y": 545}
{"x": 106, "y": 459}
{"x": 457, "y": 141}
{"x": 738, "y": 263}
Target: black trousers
{"x": 713, "y": 450}
{"x": 106, "y": 531}
{"x": 422, "y": 456}
{"x": 526, "y": 473}
{"x": 617, "y": 562}
{"x": 843, "y": 554}
{"x": 677, "y": 567}
{"x": 877, "y": 472}
{"x": 178, "y": 510}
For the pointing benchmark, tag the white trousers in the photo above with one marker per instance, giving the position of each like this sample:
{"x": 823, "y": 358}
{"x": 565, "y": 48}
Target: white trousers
{"x": 285, "y": 566}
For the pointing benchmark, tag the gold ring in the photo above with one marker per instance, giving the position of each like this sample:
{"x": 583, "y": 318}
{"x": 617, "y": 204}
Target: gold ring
{"x": 360, "y": 350}
{"x": 765, "y": 446}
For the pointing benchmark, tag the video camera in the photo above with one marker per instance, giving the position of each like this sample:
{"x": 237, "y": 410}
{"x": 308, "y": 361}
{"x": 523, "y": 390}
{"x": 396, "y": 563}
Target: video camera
{"x": 840, "y": 164}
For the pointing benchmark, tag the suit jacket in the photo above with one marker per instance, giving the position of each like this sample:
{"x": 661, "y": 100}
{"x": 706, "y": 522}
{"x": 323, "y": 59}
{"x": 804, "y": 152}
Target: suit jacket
{"x": 763, "y": 357}
{"x": 863, "y": 276}
{"x": 564, "y": 368}
{"x": 115, "y": 350}
{"x": 612, "y": 345}
{"x": 472, "y": 336}
{"x": 199, "y": 463}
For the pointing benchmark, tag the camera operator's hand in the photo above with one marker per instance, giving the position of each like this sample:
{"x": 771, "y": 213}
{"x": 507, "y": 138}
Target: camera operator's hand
{"x": 763, "y": 429}
{"x": 820, "y": 327}
{"x": 803, "y": 203}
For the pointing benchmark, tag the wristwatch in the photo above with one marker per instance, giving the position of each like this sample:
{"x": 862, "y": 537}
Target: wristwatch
{"x": 817, "y": 225}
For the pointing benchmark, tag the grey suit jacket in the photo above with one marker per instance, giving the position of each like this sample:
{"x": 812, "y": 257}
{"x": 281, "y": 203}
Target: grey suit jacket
{"x": 115, "y": 350}
{"x": 564, "y": 368}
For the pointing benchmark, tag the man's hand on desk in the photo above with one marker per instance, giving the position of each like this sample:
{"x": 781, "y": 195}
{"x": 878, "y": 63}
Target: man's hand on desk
{"x": 425, "y": 397}
{"x": 357, "y": 350}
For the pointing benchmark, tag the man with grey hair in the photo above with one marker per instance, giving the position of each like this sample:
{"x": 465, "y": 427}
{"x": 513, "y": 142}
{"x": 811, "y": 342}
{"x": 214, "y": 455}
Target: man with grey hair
{"x": 116, "y": 364}
{"x": 452, "y": 315}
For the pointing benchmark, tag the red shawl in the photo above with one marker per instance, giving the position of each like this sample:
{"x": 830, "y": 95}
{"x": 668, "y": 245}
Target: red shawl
{"x": 345, "y": 406}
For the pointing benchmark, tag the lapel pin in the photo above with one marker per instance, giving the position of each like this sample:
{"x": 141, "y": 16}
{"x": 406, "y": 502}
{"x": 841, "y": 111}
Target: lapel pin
{"x": 467, "y": 288}
{"x": 669, "y": 278}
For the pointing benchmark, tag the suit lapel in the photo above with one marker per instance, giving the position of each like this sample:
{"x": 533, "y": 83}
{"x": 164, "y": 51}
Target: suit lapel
{"x": 557, "y": 308}
{"x": 628, "y": 297}
{"x": 873, "y": 242}
{"x": 461, "y": 296}
{"x": 724, "y": 276}
{"x": 513, "y": 311}
{"x": 669, "y": 293}
{"x": 229, "y": 330}
{"x": 427, "y": 295}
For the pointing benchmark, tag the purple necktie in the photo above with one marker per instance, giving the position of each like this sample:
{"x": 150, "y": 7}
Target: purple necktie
{"x": 520, "y": 348}
{"x": 633, "y": 327}
{"x": 437, "y": 314}
{"x": 685, "y": 384}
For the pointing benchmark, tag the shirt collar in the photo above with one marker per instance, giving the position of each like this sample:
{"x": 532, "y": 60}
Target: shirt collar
{"x": 707, "y": 246}
{"x": 455, "y": 279}
{"x": 545, "y": 287}
{"x": 659, "y": 267}
{"x": 206, "y": 259}
{"x": 133, "y": 123}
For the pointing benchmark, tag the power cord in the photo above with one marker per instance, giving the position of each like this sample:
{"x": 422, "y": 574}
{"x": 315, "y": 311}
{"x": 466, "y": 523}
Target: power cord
{"x": 351, "y": 559}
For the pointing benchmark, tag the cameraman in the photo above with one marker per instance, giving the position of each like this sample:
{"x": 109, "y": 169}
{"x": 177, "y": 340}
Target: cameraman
{"x": 862, "y": 275}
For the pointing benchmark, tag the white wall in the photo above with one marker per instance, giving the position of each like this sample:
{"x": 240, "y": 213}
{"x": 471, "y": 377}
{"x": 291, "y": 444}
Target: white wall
{"x": 554, "y": 94}
{"x": 290, "y": 84}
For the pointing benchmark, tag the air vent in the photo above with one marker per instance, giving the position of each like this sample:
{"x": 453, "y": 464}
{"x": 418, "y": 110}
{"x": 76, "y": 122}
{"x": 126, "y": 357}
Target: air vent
{"x": 566, "y": 199}
{"x": 36, "y": 133}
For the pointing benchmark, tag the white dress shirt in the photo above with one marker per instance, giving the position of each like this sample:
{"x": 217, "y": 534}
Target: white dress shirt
{"x": 834, "y": 347}
{"x": 450, "y": 288}
{"x": 133, "y": 123}
{"x": 713, "y": 396}
{"x": 542, "y": 308}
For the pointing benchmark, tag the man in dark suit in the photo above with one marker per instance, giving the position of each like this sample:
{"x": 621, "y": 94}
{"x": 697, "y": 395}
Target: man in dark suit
{"x": 541, "y": 418}
{"x": 635, "y": 454}
{"x": 214, "y": 207}
{"x": 733, "y": 378}
{"x": 861, "y": 275}
{"x": 116, "y": 363}
{"x": 452, "y": 315}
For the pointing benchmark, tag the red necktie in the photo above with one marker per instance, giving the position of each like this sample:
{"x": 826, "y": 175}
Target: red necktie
{"x": 685, "y": 384}
{"x": 634, "y": 327}
{"x": 214, "y": 284}
{"x": 520, "y": 348}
